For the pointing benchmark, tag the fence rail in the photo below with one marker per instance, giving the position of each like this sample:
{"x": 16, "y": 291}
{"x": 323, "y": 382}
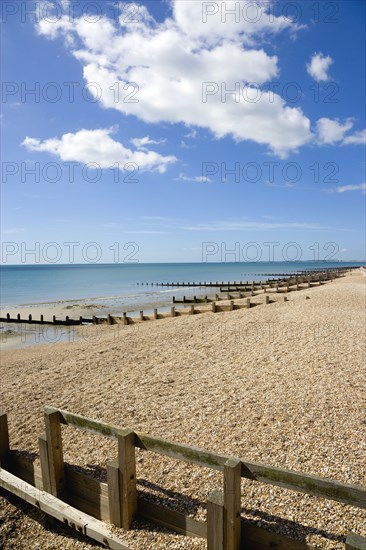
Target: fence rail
{"x": 119, "y": 501}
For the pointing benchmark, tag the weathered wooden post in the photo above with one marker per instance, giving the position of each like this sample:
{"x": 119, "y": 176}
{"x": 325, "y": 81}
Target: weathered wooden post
{"x": 248, "y": 303}
{"x": 232, "y": 504}
{"x": 67, "y": 319}
{"x": 127, "y": 477}
{"x": 231, "y": 306}
{"x": 8, "y": 315}
{"x": 109, "y": 319}
{"x": 81, "y": 320}
{"x": 155, "y": 313}
{"x": 54, "y": 453}
{"x": 42, "y": 320}
{"x": 30, "y": 318}
{"x": 213, "y": 306}
{"x": 172, "y": 311}
{"x": 95, "y": 320}
{"x": 54, "y": 319}
{"x": 4, "y": 438}
{"x": 141, "y": 315}
{"x": 215, "y": 521}
{"x": 18, "y": 318}
{"x": 125, "y": 319}
{"x": 267, "y": 300}
{"x": 191, "y": 311}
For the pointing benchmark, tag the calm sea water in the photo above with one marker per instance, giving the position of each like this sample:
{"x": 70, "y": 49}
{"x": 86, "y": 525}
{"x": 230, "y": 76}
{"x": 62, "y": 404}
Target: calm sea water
{"x": 27, "y": 284}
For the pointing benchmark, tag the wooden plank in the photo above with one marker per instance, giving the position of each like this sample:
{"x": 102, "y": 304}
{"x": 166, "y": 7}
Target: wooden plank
{"x": 355, "y": 542}
{"x": 171, "y": 519}
{"x": 58, "y": 509}
{"x": 322, "y": 487}
{"x": 232, "y": 503}
{"x": 115, "y": 505}
{"x": 55, "y": 454}
{"x": 4, "y": 438}
{"x": 87, "y": 493}
{"x": 215, "y": 521}
{"x": 127, "y": 477}
{"x": 257, "y": 538}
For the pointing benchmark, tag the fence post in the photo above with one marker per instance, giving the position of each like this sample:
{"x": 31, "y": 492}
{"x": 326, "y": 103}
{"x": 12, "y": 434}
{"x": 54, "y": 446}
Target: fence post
{"x": 267, "y": 300}
{"x": 248, "y": 303}
{"x": 213, "y": 306}
{"x": 114, "y": 499}
{"x": 232, "y": 503}
{"x": 172, "y": 311}
{"x": 231, "y": 305}
{"x": 4, "y": 437}
{"x": 55, "y": 454}
{"x": 191, "y": 312}
{"x": 127, "y": 476}
{"x": 215, "y": 521}
{"x": 125, "y": 319}
{"x": 43, "y": 455}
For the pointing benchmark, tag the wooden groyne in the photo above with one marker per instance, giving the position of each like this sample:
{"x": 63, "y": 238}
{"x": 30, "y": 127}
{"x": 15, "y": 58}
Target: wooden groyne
{"x": 228, "y": 291}
{"x": 85, "y": 503}
{"x": 326, "y": 274}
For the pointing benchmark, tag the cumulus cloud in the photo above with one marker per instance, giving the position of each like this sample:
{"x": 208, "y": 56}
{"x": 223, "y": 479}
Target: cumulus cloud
{"x": 346, "y": 188}
{"x": 358, "y": 138}
{"x": 170, "y": 62}
{"x": 198, "y": 179}
{"x": 331, "y": 131}
{"x": 97, "y": 146}
{"x": 140, "y": 143}
{"x": 318, "y": 66}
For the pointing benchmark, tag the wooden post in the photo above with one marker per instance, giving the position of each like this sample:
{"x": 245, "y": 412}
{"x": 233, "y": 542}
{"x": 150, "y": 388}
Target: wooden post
{"x": 248, "y": 303}
{"x": 4, "y": 438}
{"x": 42, "y": 320}
{"x": 124, "y": 316}
{"x": 215, "y": 521}
{"x": 155, "y": 313}
{"x": 285, "y": 299}
{"x": 127, "y": 477}
{"x": 54, "y": 319}
{"x": 109, "y": 319}
{"x": 67, "y": 319}
{"x": 141, "y": 315}
{"x": 191, "y": 312}
{"x": 30, "y": 317}
{"x": 114, "y": 492}
{"x": 172, "y": 311}
{"x": 55, "y": 454}
{"x": 18, "y": 318}
{"x": 355, "y": 542}
{"x": 267, "y": 300}
{"x": 232, "y": 503}
{"x": 231, "y": 305}
{"x": 8, "y": 315}
{"x": 213, "y": 306}
{"x": 45, "y": 469}
{"x": 95, "y": 320}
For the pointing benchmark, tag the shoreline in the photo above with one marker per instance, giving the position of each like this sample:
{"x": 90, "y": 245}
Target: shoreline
{"x": 281, "y": 384}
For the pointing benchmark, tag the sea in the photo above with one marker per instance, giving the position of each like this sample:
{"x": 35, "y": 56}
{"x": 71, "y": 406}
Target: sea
{"x": 130, "y": 285}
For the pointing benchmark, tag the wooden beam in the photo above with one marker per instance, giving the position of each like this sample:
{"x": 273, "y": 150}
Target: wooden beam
{"x": 232, "y": 503}
{"x": 171, "y": 519}
{"x": 81, "y": 522}
{"x": 55, "y": 454}
{"x": 4, "y": 438}
{"x": 127, "y": 477}
{"x": 215, "y": 521}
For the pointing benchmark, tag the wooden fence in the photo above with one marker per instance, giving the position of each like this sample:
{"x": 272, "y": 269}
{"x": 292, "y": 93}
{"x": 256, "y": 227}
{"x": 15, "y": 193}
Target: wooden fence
{"x": 84, "y": 502}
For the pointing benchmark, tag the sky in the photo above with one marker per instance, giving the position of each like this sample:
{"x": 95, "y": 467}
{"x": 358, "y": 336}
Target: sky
{"x": 182, "y": 131}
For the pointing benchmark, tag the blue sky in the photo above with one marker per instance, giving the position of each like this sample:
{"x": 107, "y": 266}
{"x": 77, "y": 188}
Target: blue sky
{"x": 170, "y": 124}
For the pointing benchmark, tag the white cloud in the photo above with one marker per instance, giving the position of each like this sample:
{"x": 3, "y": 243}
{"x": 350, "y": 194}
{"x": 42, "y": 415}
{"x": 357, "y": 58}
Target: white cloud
{"x": 346, "y": 188}
{"x": 97, "y": 146}
{"x": 252, "y": 226}
{"x": 332, "y": 131}
{"x": 171, "y": 61}
{"x": 318, "y": 66}
{"x": 140, "y": 143}
{"x": 199, "y": 179}
{"x": 358, "y": 138}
